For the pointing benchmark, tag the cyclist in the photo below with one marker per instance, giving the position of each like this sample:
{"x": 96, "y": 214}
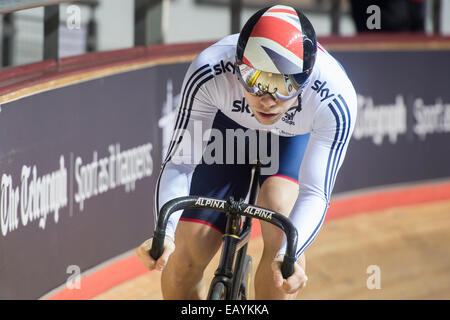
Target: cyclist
{"x": 296, "y": 90}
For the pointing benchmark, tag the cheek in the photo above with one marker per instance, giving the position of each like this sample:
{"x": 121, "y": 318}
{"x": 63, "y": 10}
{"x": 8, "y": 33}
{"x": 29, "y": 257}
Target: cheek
{"x": 251, "y": 100}
{"x": 248, "y": 96}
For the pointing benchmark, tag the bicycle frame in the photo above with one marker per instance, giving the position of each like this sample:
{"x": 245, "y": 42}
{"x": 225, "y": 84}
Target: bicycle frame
{"x": 235, "y": 243}
{"x": 234, "y": 250}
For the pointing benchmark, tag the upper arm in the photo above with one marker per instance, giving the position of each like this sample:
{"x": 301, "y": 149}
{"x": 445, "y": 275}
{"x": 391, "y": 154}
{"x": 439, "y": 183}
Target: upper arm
{"x": 325, "y": 153}
{"x": 333, "y": 125}
{"x": 195, "y": 115}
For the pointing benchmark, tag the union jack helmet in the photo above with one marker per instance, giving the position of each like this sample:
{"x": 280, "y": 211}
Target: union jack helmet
{"x": 276, "y": 45}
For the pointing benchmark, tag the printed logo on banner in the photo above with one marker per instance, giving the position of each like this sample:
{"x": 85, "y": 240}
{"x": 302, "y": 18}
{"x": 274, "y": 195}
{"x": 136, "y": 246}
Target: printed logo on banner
{"x": 39, "y": 196}
{"x": 35, "y": 199}
{"x": 431, "y": 118}
{"x": 378, "y": 122}
{"x": 119, "y": 168}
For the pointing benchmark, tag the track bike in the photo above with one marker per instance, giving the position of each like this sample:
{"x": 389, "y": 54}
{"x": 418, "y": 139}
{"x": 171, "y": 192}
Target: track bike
{"x": 232, "y": 278}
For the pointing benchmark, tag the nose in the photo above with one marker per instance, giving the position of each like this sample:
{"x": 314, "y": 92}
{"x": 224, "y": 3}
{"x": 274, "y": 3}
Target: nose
{"x": 267, "y": 101}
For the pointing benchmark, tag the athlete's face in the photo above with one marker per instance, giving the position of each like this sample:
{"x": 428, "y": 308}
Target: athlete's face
{"x": 267, "y": 110}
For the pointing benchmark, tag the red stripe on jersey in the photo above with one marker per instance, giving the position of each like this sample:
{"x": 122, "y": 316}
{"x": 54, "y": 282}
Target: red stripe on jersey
{"x": 202, "y": 222}
{"x": 281, "y": 32}
{"x": 285, "y": 177}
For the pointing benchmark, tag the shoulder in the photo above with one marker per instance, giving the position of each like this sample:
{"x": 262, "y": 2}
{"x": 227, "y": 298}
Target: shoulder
{"x": 217, "y": 55}
{"x": 329, "y": 78}
{"x": 330, "y": 89}
{"x": 331, "y": 94}
{"x": 213, "y": 61}
{"x": 208, "y": 77}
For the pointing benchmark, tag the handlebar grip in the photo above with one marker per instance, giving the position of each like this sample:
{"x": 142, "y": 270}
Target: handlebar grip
{"x": 287, "y": 267}
{"x": 157, "y": 246}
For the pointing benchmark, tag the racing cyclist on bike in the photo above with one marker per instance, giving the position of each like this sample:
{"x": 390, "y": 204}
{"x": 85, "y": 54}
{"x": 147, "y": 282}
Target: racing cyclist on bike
{"x": 272, "y": 77}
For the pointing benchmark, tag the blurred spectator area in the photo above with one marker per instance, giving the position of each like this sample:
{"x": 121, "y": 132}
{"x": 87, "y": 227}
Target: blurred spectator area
{"x": 23, "y": 33}
{"x": 112, "y": 24}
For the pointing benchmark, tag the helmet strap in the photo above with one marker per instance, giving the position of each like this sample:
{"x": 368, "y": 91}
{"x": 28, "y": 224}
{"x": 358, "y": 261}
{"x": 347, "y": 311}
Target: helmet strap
{"x": 298, "y": 107}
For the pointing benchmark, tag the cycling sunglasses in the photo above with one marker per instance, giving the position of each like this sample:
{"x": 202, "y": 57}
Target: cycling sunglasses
{"x": 281, "y": 86}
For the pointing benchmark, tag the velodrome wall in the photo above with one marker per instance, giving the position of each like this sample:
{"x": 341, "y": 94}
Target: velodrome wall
{"x": 81, "y": 143}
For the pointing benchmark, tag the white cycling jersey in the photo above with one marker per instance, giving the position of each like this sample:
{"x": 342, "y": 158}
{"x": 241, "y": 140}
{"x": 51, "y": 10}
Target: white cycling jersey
{"x": 328, "y": 113}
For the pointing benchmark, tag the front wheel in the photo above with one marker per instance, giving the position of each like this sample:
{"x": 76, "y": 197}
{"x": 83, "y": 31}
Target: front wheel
{"x": 218, "y": 292}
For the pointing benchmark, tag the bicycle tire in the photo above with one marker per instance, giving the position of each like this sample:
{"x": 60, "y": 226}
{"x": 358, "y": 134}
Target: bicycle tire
{"x": 218, "y": 292}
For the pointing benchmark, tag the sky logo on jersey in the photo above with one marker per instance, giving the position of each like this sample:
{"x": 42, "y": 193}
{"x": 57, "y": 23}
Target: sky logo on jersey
{"x": 223, "y": 67}
{"x": 320, "y": 88}
{"x": 241, "y": 106}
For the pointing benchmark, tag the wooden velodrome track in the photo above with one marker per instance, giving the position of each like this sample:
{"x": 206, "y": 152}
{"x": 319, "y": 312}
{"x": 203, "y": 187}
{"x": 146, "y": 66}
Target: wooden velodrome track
{"x": 409, "y": 244}
{"x": 391, "y": 243}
